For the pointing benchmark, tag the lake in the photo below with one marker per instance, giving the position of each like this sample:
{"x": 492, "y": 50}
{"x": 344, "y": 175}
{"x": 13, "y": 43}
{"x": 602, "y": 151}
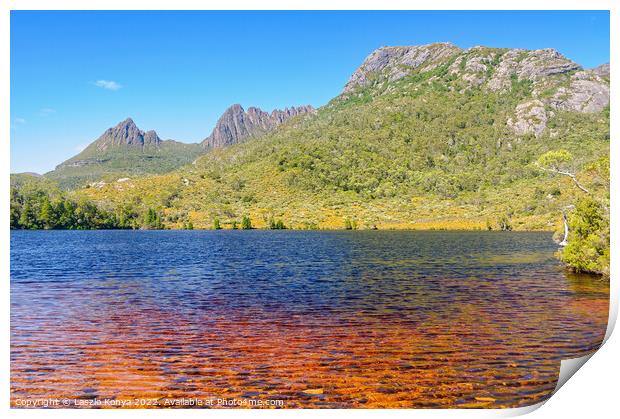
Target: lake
{"x": 359, "y": 319}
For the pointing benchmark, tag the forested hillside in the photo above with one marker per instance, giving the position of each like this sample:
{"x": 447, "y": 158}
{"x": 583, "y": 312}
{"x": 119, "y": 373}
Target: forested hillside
{"x": 428, "y": 147}
{"x": 125, "y": 150}
{"x": 421, "y": 137}
{"x": 121, "y": 151}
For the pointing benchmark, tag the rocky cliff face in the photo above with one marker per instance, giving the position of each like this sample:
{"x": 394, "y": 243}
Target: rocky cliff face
{"x": 151, "y": 154}
{"x": 529, "y": 118}
{"x": 393, "y": 63}
{"x": 236, "y": 124}
{"x": 126, "y": 133}
{"x": 586, "y": 91}
{"x": 504, "y": 66}
{"x": 602, "y": 70}
{"x": 556, "y": 82}
{"x": 495, "y": 68}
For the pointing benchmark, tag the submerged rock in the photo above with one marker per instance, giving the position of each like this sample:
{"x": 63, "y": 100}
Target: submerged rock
{"x": 313, "y": 391}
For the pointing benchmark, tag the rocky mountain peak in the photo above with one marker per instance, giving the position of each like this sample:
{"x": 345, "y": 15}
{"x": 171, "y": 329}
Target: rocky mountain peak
{"x": 393, "y": 63}
{"x": 554, "y": 81}
{"x": 479, "y": 65}
{"x": 602, "y": 70}
{"x": 528, "y": 65}
{"x": 234, "y": 109}
{"x": 236, "y": 124}
{"x": 128, "y": 122}
{"x": 126, "y": 133}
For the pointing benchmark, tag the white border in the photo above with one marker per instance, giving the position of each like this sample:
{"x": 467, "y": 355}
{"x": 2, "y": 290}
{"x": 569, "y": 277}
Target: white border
{"x": 592, "y": 393}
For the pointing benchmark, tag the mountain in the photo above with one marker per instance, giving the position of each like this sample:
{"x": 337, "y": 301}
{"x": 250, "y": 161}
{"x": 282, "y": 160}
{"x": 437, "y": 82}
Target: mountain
{"x": 126, "y": 133}
{"x": 236, "y": 125}
{"x": 20, "y": 179}
{"x": 492, "y": 69}
{"x": 126, "y": 151}
{"x": 121, "y": 151}
{"x": 393, "y": 63}
{"x": 429, "y": 136}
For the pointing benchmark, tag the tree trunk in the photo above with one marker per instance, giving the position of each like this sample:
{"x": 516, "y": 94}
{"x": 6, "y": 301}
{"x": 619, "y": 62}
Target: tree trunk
{"x": 564, "y": 242}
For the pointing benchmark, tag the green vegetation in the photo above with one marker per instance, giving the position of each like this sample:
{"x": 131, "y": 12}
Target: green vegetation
{"x": 276, "y": 224}
{"x": 36, "y": 204}
{"x": 588, "y": 241}
{"x": 93, "y": 165}
{"x": 246, "y": 223}
{"x": 428, "y": 151}
{"x": 555, "y": 160}
{"x": 152, "y": 220}
{"x": 350, "y": 224}
{"x": 503, "y": 223}
{"x": 587, "y": 245}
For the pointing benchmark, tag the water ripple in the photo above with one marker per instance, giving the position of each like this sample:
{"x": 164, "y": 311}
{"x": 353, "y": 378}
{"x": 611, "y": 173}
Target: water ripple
{"x": 373, "y": 319}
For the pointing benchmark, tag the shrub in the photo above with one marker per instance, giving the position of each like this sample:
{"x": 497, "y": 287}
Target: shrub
{"x": 152, "y": 220}
{"x": 504, "y": 223}
{"x": 246, "y": 223}
{"x": 350, "y": 224}
{"x": 588, "y": 239}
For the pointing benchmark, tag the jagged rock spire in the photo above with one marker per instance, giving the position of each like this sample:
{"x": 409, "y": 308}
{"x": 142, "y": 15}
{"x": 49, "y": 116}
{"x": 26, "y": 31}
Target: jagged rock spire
{"x": 235, "y": 125}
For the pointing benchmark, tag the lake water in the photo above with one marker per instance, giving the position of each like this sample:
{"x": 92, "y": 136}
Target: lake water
{"x": 304, "y": 319}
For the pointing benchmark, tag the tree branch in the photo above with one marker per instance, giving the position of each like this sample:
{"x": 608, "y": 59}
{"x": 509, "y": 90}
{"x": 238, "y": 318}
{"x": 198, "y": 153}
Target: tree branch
{"x": 574, "y": 178}
{"x": 564, "y": 173}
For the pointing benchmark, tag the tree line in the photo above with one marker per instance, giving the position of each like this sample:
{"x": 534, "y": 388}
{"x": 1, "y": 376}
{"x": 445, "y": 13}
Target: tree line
{"x": 41, "y": 206}
{"x": 37, "y": 209}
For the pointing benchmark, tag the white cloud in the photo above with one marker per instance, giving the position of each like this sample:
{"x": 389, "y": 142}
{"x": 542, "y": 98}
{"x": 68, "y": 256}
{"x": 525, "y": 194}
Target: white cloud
{"x": 46, "y": 111}
{"x": 81, "y": 147}
{"x": 20, "y": 121}
{"x": 108, "y": 84}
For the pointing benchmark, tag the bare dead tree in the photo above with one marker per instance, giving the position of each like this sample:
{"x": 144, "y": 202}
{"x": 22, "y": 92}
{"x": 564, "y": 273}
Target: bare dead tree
{"x": 564, "y": 241}
{"x": 565, "y": 173}
{"x": 553, "y": 162}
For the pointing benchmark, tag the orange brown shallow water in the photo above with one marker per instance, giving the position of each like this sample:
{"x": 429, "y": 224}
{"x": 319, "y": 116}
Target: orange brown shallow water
{"x": 308, "y": 319}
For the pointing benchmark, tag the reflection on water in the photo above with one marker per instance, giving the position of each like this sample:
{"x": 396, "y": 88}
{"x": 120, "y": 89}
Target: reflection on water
{"x": 317, "y": 319}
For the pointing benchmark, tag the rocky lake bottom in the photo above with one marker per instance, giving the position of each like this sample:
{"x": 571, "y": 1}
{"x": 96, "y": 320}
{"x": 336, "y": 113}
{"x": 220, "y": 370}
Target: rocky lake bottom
{"x": 349, "y": 319}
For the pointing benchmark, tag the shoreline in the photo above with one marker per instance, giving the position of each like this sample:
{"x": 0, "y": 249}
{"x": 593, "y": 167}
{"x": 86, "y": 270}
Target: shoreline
{"x": 290, "y": 229}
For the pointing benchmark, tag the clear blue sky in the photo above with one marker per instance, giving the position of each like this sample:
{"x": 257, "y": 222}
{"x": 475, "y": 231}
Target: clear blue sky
{"x": 74, "y": 74}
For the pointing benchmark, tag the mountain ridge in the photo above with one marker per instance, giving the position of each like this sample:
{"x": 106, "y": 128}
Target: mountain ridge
{"x": 395, "y": 62}
{"x": 127, "y": 133}
{"x": 554, "y": 83}
{"x": 477, "y": 139}
{"x": 439, "y": 146}
{"x": 132, "y": 150}
{"x": 236, "y": 124}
